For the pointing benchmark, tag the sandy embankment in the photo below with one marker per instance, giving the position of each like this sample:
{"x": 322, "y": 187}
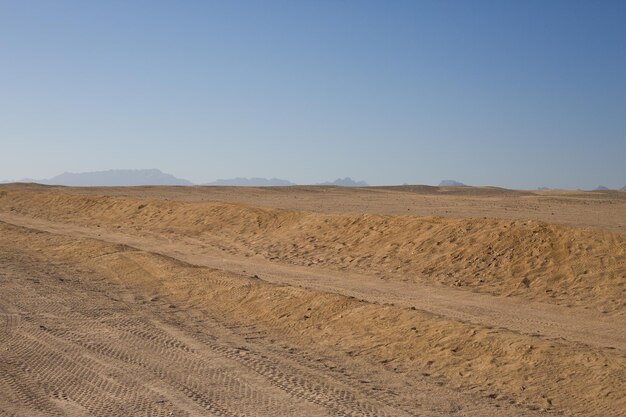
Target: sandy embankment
{"x": 530, "y": 259}
{"x": 537, "y": 373}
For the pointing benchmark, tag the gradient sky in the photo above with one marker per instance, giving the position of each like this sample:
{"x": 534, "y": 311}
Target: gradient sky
{"x": 517, "y": 94}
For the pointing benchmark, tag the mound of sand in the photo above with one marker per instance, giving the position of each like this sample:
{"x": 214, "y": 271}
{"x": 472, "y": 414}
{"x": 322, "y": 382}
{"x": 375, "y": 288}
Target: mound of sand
{"x": 535, "y": 372}
{"x": 531, "y": 259}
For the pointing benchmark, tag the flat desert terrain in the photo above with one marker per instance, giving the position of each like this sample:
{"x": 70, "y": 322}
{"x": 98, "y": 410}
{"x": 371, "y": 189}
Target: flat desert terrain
{"x": 311, "y": 301}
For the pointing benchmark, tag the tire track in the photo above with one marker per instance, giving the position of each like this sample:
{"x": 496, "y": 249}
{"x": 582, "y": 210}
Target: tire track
{"x": 522, "y": 316}
{"x": 86, "y": 344}
{"x": 59, "y": 356}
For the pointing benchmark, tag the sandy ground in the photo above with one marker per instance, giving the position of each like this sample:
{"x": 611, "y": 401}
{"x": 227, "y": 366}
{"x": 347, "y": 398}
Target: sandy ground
{"x": 594, "y": 209}
{"x": 311, "y": 301}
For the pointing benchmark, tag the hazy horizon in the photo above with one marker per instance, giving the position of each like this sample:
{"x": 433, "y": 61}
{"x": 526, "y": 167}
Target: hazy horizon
{"x": 517, "y": 95}
{"x": 88, "y": 179}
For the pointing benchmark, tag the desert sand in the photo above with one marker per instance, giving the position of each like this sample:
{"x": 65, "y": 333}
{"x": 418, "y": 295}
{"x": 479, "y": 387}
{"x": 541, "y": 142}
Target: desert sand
{"x": 311, "y": 301}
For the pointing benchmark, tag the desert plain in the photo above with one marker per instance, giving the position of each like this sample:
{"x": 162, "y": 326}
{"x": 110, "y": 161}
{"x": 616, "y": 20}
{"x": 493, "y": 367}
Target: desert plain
{"x": 311, "y": 301}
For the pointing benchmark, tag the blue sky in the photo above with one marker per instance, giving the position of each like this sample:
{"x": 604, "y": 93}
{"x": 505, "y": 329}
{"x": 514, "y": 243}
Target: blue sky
{"x": 517, "y": 94}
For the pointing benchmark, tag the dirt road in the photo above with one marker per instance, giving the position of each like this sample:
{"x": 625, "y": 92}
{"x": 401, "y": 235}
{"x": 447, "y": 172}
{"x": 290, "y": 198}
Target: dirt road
{"x": 533, "y": 318}
{"x": 305, "y": 301}
{"x": 73, "y": 343}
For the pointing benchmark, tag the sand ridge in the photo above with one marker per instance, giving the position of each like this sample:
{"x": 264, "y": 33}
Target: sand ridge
{"x": 533, "y": 318}
{"x": 526, "y": 370}
{"x": 590, "y": 209}
{"x": 198, "y": 301}
{"x": 531, "y": 259}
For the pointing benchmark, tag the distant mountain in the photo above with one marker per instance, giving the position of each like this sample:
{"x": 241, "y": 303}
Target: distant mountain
{"x": 451, "y": 183}
{"x": 542, "y": 189}
{"x": 114, "y": 177}
{"x": 252, "y": 182}
{"x": 22, "y": 180}
{"x": 623, "y": 188}
{"x": 345, "y": 182}
{"x": 600, "y": 188}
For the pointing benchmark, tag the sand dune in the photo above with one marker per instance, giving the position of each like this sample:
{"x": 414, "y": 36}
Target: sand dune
{"x": 600, "y": 210}
{"x": 527, "y": 370}
{"x": 531, "y": 259}
{"x": 322, "y": 318}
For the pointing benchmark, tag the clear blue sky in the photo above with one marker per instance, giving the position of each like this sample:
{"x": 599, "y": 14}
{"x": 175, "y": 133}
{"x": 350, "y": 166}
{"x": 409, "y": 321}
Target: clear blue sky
{"x": 517, "y": 94}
